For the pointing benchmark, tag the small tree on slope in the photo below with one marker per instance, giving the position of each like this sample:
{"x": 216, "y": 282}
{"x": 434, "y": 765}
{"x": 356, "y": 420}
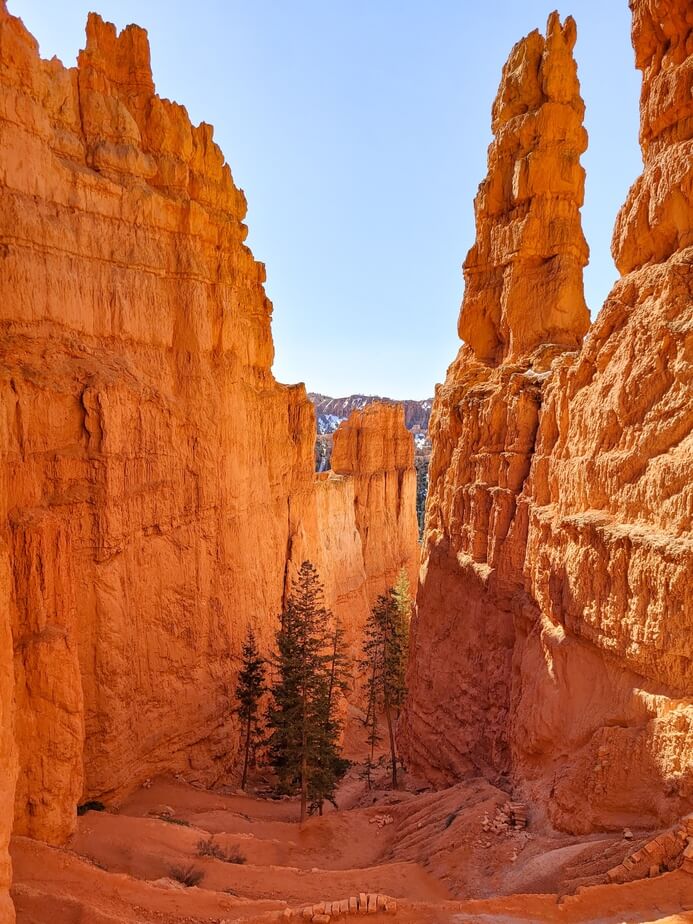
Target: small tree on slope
{"x": 249, "y": 690}
{"x": 305, "y": 731}
{"x": 330, "y": 766}
{"x": 404, "y": 604}
{"x": 385, "y": 655}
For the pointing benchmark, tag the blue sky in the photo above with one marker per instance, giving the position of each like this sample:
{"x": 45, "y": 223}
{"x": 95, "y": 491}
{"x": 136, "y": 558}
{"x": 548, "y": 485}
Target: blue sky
{"x": 358, "y": 130}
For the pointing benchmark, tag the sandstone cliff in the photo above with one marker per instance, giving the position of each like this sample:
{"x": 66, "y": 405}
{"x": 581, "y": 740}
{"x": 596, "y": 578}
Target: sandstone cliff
{"x": 529, "y": 252}
{"x": 158, "y": 481}
{"x": 555, "y": 583}
{"x": 376, "y": 450}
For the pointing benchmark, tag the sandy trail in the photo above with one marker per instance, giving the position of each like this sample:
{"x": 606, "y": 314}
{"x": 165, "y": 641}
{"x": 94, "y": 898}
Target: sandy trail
{"x": 428, "y": 851}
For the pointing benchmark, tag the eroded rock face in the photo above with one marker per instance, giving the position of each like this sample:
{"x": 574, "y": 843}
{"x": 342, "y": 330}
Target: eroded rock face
{"x": 523, "y": 305}
{"x": 556, "y": 572}
{"x": 607, "y": 671}
{"x": 8, "y": 750}
{"x": 159, "y": 481}
{"x": 523, "y": 276}
{"x": 376, "y": 450}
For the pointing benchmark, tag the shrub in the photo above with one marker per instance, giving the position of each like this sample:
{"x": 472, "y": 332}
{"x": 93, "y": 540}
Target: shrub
{"x": 209, "y": 849}
{"x": 189, "y": 876}
{"x": 235, "y": 856}
{"x": 175, "y": 821}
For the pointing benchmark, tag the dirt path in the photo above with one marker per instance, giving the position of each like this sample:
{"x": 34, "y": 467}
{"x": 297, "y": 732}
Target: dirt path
{"x": 428, "y": 853}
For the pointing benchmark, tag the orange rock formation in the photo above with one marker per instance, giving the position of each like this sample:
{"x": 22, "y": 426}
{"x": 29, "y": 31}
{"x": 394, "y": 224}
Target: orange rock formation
{"x": 373, "y": 447}
{"x": 557, "y": 562}
{"x": 157, "y": 486}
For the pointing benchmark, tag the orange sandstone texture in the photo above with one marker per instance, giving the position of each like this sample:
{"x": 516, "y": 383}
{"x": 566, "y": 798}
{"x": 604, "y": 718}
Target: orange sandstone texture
{"x": 374, "y": 448}
{"x": 158, "y": 481}
{"x": 556, "y": 574}
{"x": 8, "y": 750}
{"x": 523, "y": 305}
{"x": 605, "y": 689}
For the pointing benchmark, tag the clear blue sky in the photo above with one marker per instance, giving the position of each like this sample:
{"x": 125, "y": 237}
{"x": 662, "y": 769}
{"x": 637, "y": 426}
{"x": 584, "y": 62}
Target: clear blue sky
{"x": 358, "y": 130}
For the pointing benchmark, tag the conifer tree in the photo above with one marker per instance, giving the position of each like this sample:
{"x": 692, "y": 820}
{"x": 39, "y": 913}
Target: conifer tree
{"x": 403, "y": 602}
{"x": 385, "y": 656}
{"x": 330, "y": 766}
{"x": 249, "y": 690}
{"x": 303, "y": 716}
{"x": 370, "y": 663}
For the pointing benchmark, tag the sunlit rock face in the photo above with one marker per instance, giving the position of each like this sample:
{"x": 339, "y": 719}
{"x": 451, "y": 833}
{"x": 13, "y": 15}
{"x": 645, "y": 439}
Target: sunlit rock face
{"x": 374, "y": 448}
{"x": 157, "y": 488}
{"x": 553, "y": 640}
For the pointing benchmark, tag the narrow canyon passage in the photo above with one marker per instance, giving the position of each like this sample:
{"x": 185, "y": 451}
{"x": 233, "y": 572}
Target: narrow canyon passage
{"x": 161, "y": 495}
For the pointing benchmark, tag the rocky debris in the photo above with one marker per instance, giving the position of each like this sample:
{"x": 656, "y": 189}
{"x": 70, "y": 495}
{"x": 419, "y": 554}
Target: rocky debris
{"x": 381, "y": 821}
{"x": 167, "y": 883}
{"x": 162, "y": 811}
{"x": 362, "y": 904}
{"x": 511, "y": 816}
{"x": 672, "y": 849}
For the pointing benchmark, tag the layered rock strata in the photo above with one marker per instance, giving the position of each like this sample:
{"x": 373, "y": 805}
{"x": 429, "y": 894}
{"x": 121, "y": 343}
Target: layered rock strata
{"x": 158, "y": 482}
{"x": 557, "y": 557}
{"x": 523, "y": 305}
{"x": 374, "y": 449}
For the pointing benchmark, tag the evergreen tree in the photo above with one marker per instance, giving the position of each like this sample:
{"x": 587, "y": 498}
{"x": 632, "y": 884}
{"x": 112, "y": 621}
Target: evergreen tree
{"x": 303, "y": 716}
{"x": 249, "y": 690}
{"x": 371, "y": 663}
{"x": 385, "y": 656}
{"x": 421, "y": 463}
{"x": 330, "y": 766}
{"x": 405, "y": 605}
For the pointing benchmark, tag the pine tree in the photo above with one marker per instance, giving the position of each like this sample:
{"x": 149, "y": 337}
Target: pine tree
{"x": 330, "y": 766}
{"x": 303, "y": 716}
{"x": 371, "y": 663}
{"x": 385, "y": 656}
{"x": 403, "y": 602}
{"x": 249, "y": 690}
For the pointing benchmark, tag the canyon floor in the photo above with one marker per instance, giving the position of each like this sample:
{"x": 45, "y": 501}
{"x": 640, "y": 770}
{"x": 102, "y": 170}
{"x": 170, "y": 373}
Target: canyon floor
{"x": 441, "y": 856}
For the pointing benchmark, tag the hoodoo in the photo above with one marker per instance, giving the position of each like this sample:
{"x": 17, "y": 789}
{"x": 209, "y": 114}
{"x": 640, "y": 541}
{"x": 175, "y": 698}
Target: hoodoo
{"x": 552, "y": 645}
{"x": 523, "y": 306}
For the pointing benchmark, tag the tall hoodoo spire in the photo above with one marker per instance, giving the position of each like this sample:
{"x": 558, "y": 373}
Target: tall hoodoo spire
{"x": 523, "y": 276}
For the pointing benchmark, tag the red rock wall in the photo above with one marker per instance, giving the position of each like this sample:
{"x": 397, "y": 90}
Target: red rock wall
{"x": 607, "y": 669}
{"x": 8, "y": 750}
{"x": 523, "y": 304}
{"x": 374, "y": 448}
{"x": 556, "y": 584}
{"x": 160, "y": 483}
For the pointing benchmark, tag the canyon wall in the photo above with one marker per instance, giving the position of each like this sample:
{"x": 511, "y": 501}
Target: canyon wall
{"x": 374, "y": 448}
{"x": 158, "y": 482}
{"x": 8, "y": 750}
{"x": 552, "y": 649}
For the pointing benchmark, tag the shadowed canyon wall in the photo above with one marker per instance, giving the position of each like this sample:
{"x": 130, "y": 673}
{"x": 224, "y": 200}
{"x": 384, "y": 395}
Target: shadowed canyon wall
{"x": 552, "y": 648}
{"x": 157, "y": 486}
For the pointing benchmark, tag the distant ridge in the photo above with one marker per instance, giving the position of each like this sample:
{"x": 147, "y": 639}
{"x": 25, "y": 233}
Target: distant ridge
{"x": 330, "y": 412}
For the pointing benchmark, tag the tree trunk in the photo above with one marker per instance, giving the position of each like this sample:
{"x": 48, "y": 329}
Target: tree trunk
{"x": 393, "y": 749}
{"x": 244, "y": 780}
{"x": 304, "y": 786}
